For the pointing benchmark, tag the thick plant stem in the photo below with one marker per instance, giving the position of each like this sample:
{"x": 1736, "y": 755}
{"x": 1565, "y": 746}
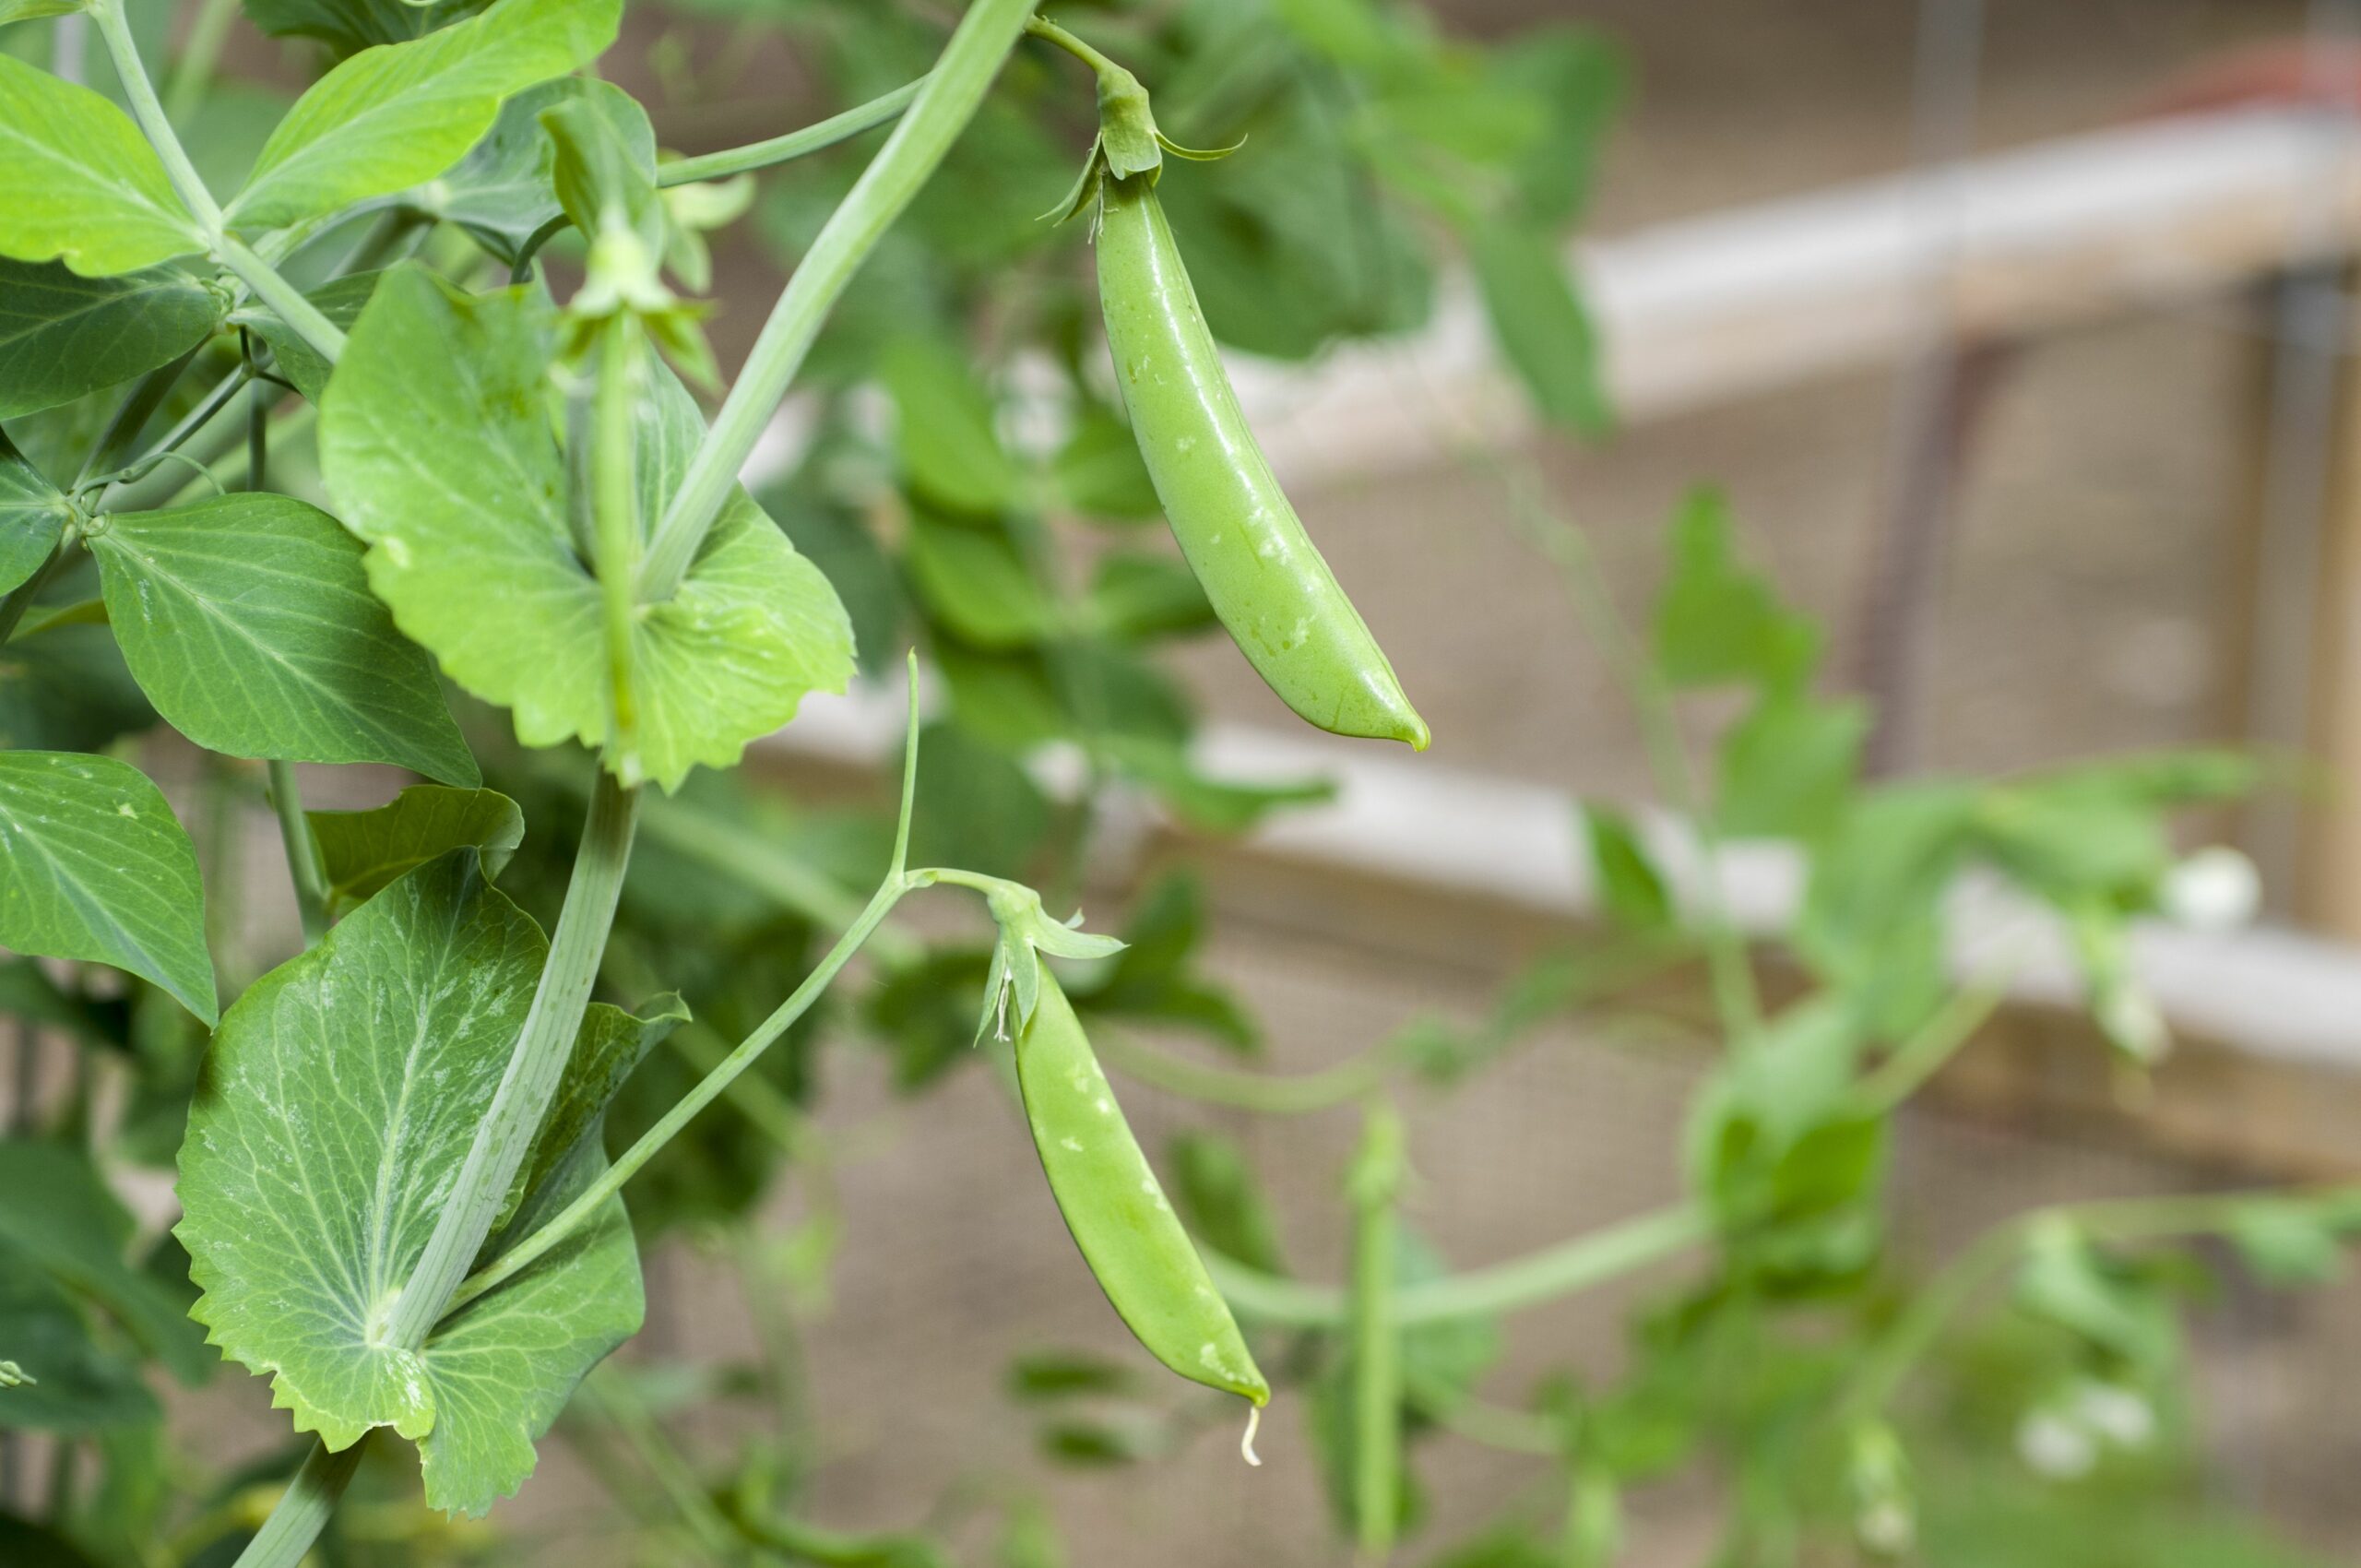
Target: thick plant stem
{"x": 627, "y": 1165}
{"x": 1581, "y": 1263}
{"x": 614, "y": 507}
{"x": 326, "y": 338}
{"x": 157, "y": 125}
{"x": 1375, "y": 1183}
{"x": 542, "y": 1048}
{"x": 784, "y": 149}
{"x": 944, "y": 106}
{"x": 899, "y": 880}
{"x": 302, "y": 855}
{"x": 303, "y": 1509}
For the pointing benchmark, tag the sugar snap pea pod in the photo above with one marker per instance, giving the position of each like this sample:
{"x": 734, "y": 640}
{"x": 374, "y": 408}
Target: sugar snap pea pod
{"x": 1118, "y": 1213}
{"x": 1265, "y": 577}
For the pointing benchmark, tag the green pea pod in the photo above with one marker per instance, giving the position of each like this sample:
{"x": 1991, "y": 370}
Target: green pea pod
{"x": 1120, "y": 1218}
{"x": 1265, "y": 577}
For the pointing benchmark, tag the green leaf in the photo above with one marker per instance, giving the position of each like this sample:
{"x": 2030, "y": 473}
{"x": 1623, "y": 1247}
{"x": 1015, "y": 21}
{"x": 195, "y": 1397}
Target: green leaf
{"x": 1213, "y": 805}
{"x": 1788, "y": 767}
{"x": 973, "y": 581}
{"x": 1224, "y": 1203}
{"x": 32, "y": 516}
{"x": 977, "y": 807}
{"x": 94, "y": 865}
{"x": 349, "y": 25}
{"x": 62, "y": 335}
{"x": 341, "y": 300}
{"x": 1064, "y": 1374}
{"x": 1136, "y": 595}
{"x": 949, "y": 450}
{"x": 78, "y": 1384}
{"x": 1539, "y": 322}
{"x": 28, "y": 10}
{"x": 2114, "y": 1307}
{"x": 1631, "y": 890}
{"x": 400, "y": 113}
{"x": 1099, "y": 472}
{"x": 247, "y": 620}
{"x": 2290, "y": 1242}
{"x": 505, "y": 190}
{"x": 604, "y": 167}
{"x": 78, "y": 181}
{"x": 56, "y": 1210}
{"x": 362, "y": 852}
{"x": 65, "y": 688}
{"x": 1719, "y": 622}
{"x": 475, "y": 553}
{"x": 24, "y": 1545}
{"x": 395, "y": 1030}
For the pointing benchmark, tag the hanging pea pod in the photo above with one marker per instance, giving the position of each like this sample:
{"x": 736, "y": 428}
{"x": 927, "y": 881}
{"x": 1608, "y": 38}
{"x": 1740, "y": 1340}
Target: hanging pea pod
{"x": 1264, "y": 577}
{"x": 1118, "y": 1213}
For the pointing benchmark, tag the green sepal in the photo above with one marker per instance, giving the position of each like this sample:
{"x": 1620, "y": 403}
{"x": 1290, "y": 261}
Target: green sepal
{"x": 1128, "y": 143}
{"x": 1025, "y": 931}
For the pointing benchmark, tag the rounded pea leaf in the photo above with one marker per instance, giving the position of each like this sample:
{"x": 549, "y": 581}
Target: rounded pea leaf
{"x": 62, "y": 335}
{"x": 395, "y": 1031}
{"x": 437, "y": 442}
{"x": 94, "y": 865}
{"x": 248, "y": 622}
{"x": 79, "y": 184}
{"x": 398, "y": 113}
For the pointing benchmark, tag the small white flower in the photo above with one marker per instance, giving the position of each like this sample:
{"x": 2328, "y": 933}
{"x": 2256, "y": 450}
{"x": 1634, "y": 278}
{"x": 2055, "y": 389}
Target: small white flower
{"x": 1887, "y": 1526}
{"x": 2132, "y": 1021}
{"x": 2121, "y": 1415}
{"x": 2055, "y": 1448}
{"x": 2215, "y": 889}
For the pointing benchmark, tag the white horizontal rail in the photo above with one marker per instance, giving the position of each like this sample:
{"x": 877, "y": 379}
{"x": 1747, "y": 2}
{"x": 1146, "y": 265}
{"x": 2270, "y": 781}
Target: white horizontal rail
{"x": 1753, "y": 298}
{"x": 2272, "y": 992}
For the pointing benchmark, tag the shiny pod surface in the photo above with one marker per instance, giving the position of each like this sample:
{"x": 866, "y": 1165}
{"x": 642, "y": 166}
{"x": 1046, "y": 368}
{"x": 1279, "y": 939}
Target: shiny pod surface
{"x": 1265, "y": 578}
{"x": 1118, "y": 1213}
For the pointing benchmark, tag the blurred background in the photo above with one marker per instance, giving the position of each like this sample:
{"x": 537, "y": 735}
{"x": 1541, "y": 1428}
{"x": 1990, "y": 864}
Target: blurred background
{"x": 2017, "y": 336}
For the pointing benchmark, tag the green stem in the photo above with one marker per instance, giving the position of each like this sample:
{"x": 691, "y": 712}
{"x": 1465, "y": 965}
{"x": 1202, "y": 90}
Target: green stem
{"x": 231, "y": 469}
{"x": 1267, "y": 1094}
{"x": 326, "y": 338}
{"x": 1050, "y": 32}
{"x": 1921, "y": 1056}
{"x": 615, "y": 513}
{"x": 131, "y": 416}
{"x": 898, "y": 880}
{"x": 1375, "y": 1184}
{"x": 812, "y": 138}
{"x": 302, "y": 1510}
{"x": 542, "y": 1048}
{"x": 1581, "y": 1263}
{"x": 194, "y": 71}
{"x": 140, "y": 93}
{"x": 944, "y": 106}
{"x": 302, "y": 855}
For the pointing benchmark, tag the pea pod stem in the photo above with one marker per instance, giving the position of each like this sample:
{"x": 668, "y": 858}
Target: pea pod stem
{"x": 795, "y": 143}
{"x": 945, "y": 101}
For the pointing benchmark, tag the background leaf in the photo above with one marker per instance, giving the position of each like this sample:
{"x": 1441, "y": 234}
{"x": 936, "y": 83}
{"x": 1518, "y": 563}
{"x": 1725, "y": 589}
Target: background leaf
{"x": 362, "y": 852}
{"x": 504, "y": 190}
{"x": 340, "y": 300}
{"x": 94, "y": 865}
{"x": 62, "y": 335}
{"x": 349, "y": 25}
{"x": 32, "y": 516}
{"x": 392, "y": 116}
{"x": 79, "y": 182}
{"x": 248, "y": 620}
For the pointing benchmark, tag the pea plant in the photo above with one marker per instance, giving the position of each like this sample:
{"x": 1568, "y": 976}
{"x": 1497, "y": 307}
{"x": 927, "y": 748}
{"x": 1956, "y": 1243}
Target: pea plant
{"x": 370, "y": 427}
{"x": 397, "y": 1199}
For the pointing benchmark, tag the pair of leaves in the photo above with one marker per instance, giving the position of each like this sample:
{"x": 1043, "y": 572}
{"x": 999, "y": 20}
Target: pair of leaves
{"x": 436, "y": 439}
{"x": 79, "y": 182}
{"x": 341, "y": 1096}
{"x": 248, "y": 622}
